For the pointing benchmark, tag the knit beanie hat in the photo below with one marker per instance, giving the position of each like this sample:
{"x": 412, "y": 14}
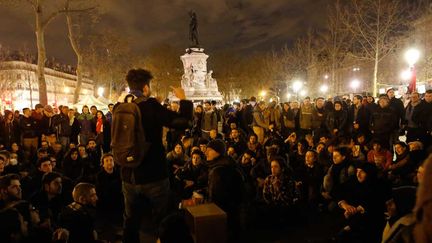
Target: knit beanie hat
{"x": 218, "y": 146}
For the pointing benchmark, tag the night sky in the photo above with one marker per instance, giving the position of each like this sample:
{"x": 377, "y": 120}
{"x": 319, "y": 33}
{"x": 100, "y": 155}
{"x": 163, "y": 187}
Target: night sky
{"x": 243, "y": 25}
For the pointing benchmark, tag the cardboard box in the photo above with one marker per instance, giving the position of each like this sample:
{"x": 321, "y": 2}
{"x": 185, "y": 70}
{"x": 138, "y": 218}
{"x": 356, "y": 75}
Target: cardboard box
{"x": 207, "y": 222}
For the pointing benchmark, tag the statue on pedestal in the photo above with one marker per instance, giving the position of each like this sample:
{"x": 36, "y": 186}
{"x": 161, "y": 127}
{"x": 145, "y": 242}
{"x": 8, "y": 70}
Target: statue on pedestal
{"x": 193, "y": 30}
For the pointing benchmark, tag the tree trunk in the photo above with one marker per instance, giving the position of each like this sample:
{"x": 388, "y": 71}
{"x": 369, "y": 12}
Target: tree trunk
{"x": 79, "y": 56}
{"x": 375, "y": 77}
{"x": 40, "y": 38}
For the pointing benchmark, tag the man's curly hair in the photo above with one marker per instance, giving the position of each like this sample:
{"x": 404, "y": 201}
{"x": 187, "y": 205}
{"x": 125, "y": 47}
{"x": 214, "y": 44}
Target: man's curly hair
{"x": 137, "y": 78}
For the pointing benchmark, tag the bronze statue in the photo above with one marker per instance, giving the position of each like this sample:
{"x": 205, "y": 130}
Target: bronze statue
{"x": 193, "y": 30}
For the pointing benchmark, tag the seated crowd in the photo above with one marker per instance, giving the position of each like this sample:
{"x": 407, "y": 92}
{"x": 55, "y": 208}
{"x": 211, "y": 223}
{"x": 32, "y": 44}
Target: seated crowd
{"x": 262, "y": 163}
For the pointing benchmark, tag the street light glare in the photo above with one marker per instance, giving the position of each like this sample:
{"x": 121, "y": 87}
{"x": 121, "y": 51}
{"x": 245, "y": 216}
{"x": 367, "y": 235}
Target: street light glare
{"x": 263, "y": 93}
{"x": 297, "y": 85}
{"x": 324, "y": 88}
{"x": 66, "y": 90}
{"x": 355, "y": 84}
{"x": 412, "y": 56}
{"x": 288, "y": 95}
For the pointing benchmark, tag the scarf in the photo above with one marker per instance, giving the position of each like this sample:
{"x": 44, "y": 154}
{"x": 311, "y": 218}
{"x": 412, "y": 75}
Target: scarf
{"x": 99, "y": 126}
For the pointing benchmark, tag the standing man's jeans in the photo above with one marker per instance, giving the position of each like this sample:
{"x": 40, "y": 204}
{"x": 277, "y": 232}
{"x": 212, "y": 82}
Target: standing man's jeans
{"x": 260, "y": 132}
{"x": 64, "y": 141}
{"x": 136, "y": 197}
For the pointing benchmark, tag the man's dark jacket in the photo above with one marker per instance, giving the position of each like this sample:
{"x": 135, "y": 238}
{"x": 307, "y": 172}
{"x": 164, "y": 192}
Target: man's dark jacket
{"x": 154, "y": 117}
{"x": 225, "y": 184}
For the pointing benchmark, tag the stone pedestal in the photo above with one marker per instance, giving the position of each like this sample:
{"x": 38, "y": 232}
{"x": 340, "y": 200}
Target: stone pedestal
{"x": 198, "y": 83}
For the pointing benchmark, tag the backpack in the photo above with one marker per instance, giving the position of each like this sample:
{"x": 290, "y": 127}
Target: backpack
{"x": 128, "y": 139}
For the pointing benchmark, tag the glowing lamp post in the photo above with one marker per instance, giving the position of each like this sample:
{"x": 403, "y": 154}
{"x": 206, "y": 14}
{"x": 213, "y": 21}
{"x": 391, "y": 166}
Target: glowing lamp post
{"x": 411, "y": 57}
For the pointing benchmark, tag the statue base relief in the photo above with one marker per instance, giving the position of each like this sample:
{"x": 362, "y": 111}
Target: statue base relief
{"x": 198, "y": 83}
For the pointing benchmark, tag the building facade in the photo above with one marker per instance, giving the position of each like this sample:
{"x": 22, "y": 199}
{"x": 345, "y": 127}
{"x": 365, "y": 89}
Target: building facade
{"x": 19, "y": 86}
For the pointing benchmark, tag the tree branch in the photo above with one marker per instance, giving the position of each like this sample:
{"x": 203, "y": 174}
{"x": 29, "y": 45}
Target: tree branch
{"x": 64, "y": 11}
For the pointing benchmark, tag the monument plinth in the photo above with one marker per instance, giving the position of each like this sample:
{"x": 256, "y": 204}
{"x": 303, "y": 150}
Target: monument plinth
{"x": 197, "y": 82}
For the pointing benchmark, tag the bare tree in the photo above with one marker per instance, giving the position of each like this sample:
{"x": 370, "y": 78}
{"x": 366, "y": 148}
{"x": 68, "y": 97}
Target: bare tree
{"x": 375, "y": 26}
{"x": 75, "y": 35}
{"x": 44, "y": 12}
{"x": 333, "y": 45}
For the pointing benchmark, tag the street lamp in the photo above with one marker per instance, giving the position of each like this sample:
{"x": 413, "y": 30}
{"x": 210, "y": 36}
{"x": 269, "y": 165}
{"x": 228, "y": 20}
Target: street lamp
{"x": 66, "y": 90}
{"x": 355, "y": 84}
{"x": 100, "y": 91}
{"x": 326, "y": 76}
{"x": 324, "y": 88}
{"x": 412, "y": 56}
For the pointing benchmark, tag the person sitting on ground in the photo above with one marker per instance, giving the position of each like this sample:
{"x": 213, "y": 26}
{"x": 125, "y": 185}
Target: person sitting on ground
{"x": 399, "y": 214}
{"x": 78, "y": 217}
{"x": 108, "y": 185}
{"x": 13, "y": 229}
{"x": 176, "y": 159}
{"x": 279, "y": 188}
{"x": 401, "y": 171}
{"x": 48, "y": 199}
{"x": 262, "y": 169}
{"x": 309, "y": 178}
{"x": 72, "y": 166}
{"x": 10, "y": 190}
{"x": 43, "y": 166}
{"x": 337, "y": 176}
{"x": 225, "y": 184}
{"x": 379, "y": 156}
{"x": 363, "y": 201}
{"x": 193, "y": 175}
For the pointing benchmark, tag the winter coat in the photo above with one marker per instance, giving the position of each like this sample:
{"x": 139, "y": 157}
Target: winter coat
{"x": 383, "y": 120}
{"x": 306, "y": 117}
{"x": 337, "y": 120}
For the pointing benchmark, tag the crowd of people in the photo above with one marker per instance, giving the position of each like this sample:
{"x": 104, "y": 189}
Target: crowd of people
{"x": 262, "y": 163}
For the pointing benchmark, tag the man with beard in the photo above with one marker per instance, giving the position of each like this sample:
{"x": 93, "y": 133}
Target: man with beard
{"x": 78, "y": 217}
{"x": 48, "y": 200}
{"x": 10, "y": 190}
